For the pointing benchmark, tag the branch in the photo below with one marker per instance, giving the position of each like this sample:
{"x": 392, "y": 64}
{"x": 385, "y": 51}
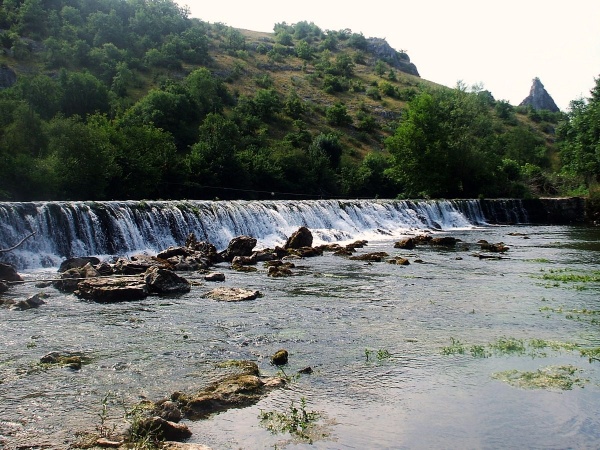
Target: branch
{"x": 5, "y": 250}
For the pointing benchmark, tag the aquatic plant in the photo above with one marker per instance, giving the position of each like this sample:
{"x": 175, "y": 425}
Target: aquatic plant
{"x": 505, "y": 346}
{"x": 455, "y": 348}
{"x": 593, "y": 354}
{"x": 296, "y": 421}
{"x": 551, "y": 377}
{"x": 381, "y": 354}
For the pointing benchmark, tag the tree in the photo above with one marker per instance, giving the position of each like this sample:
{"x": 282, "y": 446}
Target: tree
{"x": 443, "y": 147}
{"x": 579, "y": 138}
{"x": 337, "y": 115}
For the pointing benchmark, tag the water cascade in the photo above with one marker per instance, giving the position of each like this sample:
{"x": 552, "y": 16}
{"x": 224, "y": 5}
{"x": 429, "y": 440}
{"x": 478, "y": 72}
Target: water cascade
{"x": 66, "y": 229}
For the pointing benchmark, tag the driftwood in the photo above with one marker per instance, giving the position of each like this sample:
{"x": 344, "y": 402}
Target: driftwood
{"x": 5, "y": 250}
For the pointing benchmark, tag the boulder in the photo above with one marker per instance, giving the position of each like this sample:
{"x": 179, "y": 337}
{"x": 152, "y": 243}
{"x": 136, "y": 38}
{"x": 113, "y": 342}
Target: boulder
{"x": 168, "y": 410}
{"x": 494, "y": 248}
{"x": 307, "y": 252}
{"x": 35, "y": 301}
{"x": 243, "y": 260}
{"x": 279, "y": 271}
{"x": 162, "y": 429}
{"x": 111, "y": 290}
{"x": 239, "y": 246}
{"x": 445, "y": 241}
{"x": 137, "y": 265}
{"x": 406, "y": 244}
{"x": 69, "y": 279}
{"x": 8, "y": 273}
{"x": 233, "y": 391}
{"x": 215, "y": 276}
{"x": 399, "y": 261}
{"x": 264, "y": 255}
{"x": 300, "y": 238}
{"x": 78, "y": 262}
{"x": 230, "y": 294}
{"x": 175, "y": 251}
{"x": 163, "y": 281}
{"x": 70, "y": 360}
{"x": 356, "y": 244}
{"x": 280, "y": 358}
{"x": 372, "y": 257}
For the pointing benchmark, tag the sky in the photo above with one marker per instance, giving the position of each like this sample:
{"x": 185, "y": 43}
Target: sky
{"x": 502, "y": 45}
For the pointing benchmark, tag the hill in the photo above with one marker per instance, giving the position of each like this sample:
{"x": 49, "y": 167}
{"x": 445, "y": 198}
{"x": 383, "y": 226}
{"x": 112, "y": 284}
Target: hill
{"x": 134, "y": 99}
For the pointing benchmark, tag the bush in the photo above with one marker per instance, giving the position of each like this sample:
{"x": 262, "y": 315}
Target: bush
{"x": 337, "y": 115}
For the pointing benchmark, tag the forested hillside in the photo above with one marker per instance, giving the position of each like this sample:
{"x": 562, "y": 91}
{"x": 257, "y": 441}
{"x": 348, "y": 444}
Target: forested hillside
{"x": 133, "y": 99}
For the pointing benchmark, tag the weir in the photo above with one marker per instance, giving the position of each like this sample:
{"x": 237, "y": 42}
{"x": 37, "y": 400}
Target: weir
{"x": 67, "y": 229}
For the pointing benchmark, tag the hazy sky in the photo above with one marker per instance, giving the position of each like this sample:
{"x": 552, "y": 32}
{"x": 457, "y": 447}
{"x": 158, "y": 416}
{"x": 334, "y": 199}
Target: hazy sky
{"x": 501, "y": 44}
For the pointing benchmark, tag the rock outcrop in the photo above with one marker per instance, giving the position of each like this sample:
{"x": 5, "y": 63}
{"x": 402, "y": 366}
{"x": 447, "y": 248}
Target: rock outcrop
{"x": 8, "y": 77}
{"x": 399, "y": 60}
{"x": 539, "y": 98}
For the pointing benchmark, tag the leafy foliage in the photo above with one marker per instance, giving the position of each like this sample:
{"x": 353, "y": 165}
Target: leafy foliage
{"x": 133, "y": 98}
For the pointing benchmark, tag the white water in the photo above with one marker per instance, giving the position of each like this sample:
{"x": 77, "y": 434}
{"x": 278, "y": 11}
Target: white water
{"x": 66, "y": 229}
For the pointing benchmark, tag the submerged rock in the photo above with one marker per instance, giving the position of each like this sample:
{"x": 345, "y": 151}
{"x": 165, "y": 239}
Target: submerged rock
{"x": 399, "y": 261}
{"x": 230, "y": 294}
{"x": 445, "y": 241}
{"x": 35, "y": 301}
{"x": 234, "y": 391}
{"x": 372, "y": 257}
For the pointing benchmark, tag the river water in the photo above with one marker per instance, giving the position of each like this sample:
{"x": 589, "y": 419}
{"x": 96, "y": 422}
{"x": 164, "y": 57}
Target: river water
{"x": 332, "y": 314}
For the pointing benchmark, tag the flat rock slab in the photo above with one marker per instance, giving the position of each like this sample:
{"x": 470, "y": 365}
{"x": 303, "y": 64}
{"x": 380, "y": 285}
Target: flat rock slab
{"x": 229, "y": 294}
{"x": 111, "y": 290}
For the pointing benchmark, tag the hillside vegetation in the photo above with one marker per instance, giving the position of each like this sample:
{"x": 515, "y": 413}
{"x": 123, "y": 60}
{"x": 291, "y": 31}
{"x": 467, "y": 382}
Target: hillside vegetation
{"x": 134, "y": 99}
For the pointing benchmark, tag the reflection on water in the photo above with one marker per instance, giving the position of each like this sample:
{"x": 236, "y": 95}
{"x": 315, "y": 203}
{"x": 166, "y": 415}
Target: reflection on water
{"x": 329, "y": 318}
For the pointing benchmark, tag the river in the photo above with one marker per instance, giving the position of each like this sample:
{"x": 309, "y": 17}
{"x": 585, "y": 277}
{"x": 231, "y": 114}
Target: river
{"x": 384, "y": 342}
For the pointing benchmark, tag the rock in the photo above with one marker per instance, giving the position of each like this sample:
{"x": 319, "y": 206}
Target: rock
{"x": 76, "y": 263}
{"x": 168, "y": 410}
{"x": 3, "y": 287}
{"x": 264, "y": 255}
{"x": 372, "y": 257}
{"x": 399, "y": 261}
{"x": 300, "y": 238}
{"x": 406, "y": 244}
{"x": 215, "y": 276}
{"x": 399, "y": 60}
{"x": 279, "y": 358}
{"x": 107, "y": 443}
{"x": 307, "y": 370}
{"x": 174, "y": 251}
{"x": 8, "y": 273}
{"x": 229, "y": 294}
{"x": 162, "y": 281}
{"x": 70, "y": 279}
{"x": 243, "y": 261}
{"x": 70, "y": 360}
{"x": 235, "y": 391}
{"x": 168, "y": 445}
{"x": 343, "y": 252}
{"x": 136, "y": 266}
{"x": 35, "y": 301}
{"x": 163, "y": 429}
{"x": 445, "y": 241}
{"x": 104, "y": 269}
{"x": 539, "y": 98}
{"x": 239, "y": 246}
{"x": 494, "y": 248}
{"x": 111, "y": 290}
{"x": 280, "y": 270}
{"x": 356, "y": 244}
{"x": 422, "y": 238}
{"x": 329, "y": 247}
{"x": 307, "y": 252}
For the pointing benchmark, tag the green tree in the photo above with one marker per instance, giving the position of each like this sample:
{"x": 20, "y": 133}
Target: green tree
{"x": 444, "y": 146}
{"x": 337, "y": 115}
{"x": 579, "y": 138}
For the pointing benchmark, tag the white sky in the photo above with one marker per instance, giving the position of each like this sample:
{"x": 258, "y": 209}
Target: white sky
{"x": 502, "y": 44}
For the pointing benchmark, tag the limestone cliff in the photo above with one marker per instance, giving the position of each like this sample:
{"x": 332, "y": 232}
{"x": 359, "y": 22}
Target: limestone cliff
{"x": 399, "y": 60}
{"x": 539, "y": 98}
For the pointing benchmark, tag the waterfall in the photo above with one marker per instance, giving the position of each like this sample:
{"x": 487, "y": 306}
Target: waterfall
{"x": 65, "y": 229}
